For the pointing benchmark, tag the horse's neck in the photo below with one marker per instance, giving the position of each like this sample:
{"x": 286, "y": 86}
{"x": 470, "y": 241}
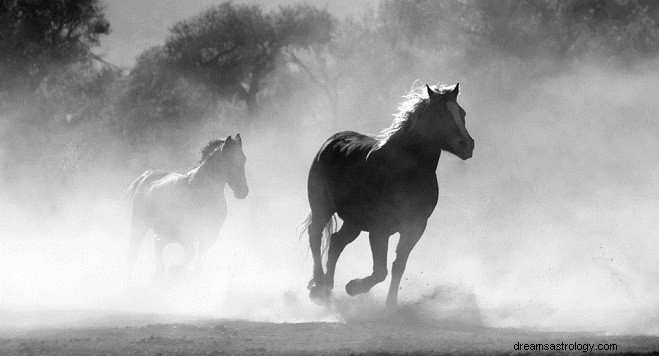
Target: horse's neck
{"x": 414, "y": 146}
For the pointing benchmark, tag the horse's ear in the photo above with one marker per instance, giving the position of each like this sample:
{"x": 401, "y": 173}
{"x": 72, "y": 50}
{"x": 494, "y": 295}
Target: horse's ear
{"x": 239, "y": 140}
{"x": 229, "y": 139}
{"x": 431, "y": 92}
{"x": 454, "y": 92}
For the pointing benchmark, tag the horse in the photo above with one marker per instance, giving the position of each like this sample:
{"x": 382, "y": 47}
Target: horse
{"x": 187, "y": 208}
{"x": 383, "y": 184}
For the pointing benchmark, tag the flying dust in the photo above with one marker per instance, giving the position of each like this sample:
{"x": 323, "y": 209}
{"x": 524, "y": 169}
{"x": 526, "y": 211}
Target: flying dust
{"x": 551, "y": 225}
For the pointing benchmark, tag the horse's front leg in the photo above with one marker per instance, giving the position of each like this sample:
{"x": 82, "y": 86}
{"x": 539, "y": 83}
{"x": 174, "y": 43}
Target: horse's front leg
{"x": 159, "y": 246}
{"x": 207, "y": 238}
{"x": 187, "y": 245}
{"x": 205, "y": 243}
{"x": 409, "y": 236}
{"x": 379, "y": 245}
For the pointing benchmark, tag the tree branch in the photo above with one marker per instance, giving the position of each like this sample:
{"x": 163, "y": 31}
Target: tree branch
{"x": 306, "y": 69}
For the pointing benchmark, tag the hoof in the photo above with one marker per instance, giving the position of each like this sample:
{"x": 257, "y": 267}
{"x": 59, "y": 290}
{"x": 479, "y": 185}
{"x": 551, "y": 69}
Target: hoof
{"x": 354, "y": 287}
{"x": 158, "y": 279}
{"x": 177, "y": 272}
{"x": 320, "y": 294}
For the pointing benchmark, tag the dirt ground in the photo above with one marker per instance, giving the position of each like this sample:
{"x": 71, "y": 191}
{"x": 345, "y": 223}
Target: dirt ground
{"x": 130, "y": 334}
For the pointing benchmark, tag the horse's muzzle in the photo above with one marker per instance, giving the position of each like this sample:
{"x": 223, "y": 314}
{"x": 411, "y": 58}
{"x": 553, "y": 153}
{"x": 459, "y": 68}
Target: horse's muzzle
{"x": 467, "y": 149}
{"x": 242, "y": 194}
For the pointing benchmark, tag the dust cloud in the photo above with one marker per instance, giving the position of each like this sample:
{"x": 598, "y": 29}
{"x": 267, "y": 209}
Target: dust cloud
{"x": 552, "y": 225}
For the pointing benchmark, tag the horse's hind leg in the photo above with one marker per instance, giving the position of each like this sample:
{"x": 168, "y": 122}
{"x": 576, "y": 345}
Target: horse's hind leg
{"x": 319, "y": 220}
{"x": 159, "y": 246}
{"x": 379, "y": 245}
{"x": 338, "y": 241}
{"x": 408, "y": 239}
{"x": 138, "y": 229}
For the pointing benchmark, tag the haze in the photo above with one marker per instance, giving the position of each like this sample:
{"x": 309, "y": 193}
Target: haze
{"x": 551, "y": 225}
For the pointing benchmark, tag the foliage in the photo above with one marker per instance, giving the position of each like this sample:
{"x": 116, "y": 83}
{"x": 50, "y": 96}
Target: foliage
{"x": 158, "y": 95}
{"x": 528, "y": 28}
{"x": 39, "y": 37}
{"x": 232, "y": 49}
{"x": 235, "y": 56}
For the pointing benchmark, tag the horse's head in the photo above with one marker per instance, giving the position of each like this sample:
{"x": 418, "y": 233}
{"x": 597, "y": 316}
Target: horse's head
{"x": 233, "y": 164}
{"x": 443, "y": 118}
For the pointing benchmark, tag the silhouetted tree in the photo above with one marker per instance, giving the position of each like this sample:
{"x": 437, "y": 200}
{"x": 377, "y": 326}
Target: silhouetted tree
{"x": 38, "y": 37}
{"x": 557, "y": 29}
{"x": 157, "y": 94}
{"x": 564, "y": 29}
{"x": 623, "y": 27}
{"x": 233, "y": 48}
{"x": 426, "y": 23}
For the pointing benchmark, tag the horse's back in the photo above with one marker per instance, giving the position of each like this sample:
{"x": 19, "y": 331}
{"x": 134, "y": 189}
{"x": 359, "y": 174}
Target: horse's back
{"x": 343, "y": 149}
{"x": 145, "y": 188}
{"x": 145, "y": 180}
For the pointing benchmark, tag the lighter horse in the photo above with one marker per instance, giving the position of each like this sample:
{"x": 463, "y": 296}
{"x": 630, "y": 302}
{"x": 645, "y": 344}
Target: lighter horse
{"x": 187, "y": 208}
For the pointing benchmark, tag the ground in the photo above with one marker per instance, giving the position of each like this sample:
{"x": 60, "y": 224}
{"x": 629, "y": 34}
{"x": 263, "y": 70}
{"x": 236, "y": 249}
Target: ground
{"x": 129, "y": 334}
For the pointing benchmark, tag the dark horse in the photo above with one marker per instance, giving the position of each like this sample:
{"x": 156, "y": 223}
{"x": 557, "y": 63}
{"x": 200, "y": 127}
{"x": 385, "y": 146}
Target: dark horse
{"x": 190, "y": 207}
{"x": 383, "y": 184}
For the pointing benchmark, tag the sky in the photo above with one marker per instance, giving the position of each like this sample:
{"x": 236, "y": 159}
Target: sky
{"x": 140, "y": 24}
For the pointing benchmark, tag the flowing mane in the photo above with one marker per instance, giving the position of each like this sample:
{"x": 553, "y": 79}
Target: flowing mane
{"x": 383, "y": 184}
{"x": 209, "y": 148}
{"x": 408, "y": 112}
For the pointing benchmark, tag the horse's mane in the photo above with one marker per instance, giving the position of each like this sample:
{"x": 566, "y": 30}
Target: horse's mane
{"x": 408, "y": 111}
{"x": 209, "y": 148}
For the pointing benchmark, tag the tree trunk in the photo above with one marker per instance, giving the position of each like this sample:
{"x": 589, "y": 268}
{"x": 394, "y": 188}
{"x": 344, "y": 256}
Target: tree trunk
{"x": 250, "y": 97}
{"x": 252, "y": 105}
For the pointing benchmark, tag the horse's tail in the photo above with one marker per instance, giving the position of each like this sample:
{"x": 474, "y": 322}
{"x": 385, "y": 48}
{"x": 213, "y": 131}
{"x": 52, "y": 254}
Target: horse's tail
{"x": 330, "y": 228}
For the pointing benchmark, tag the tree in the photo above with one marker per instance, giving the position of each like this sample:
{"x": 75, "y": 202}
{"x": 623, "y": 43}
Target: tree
{"x": 557, "y": 29}
{"x": 38, "y": 37}
{"x": 622, "y": 27}
{"x": 157, "y": 94}
{"x": 565, "y": 29}
{"x": 327, "y": 63}
{"x": 426, "y": 23}
{"x": 232, "y": 49}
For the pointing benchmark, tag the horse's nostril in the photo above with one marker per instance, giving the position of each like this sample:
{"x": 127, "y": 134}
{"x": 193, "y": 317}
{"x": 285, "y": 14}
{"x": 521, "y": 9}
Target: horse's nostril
{"x": 463, "y": 144}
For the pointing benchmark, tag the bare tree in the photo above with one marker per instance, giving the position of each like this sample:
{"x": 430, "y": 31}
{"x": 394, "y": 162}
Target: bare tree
{"x": 233, "y": 48}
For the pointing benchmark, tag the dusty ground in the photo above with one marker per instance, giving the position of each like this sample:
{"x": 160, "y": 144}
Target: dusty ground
{"x": 127, "y": 334}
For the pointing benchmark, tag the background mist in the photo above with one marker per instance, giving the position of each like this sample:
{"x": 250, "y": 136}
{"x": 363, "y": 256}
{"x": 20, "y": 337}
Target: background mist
{"x": 551, "y": 225}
